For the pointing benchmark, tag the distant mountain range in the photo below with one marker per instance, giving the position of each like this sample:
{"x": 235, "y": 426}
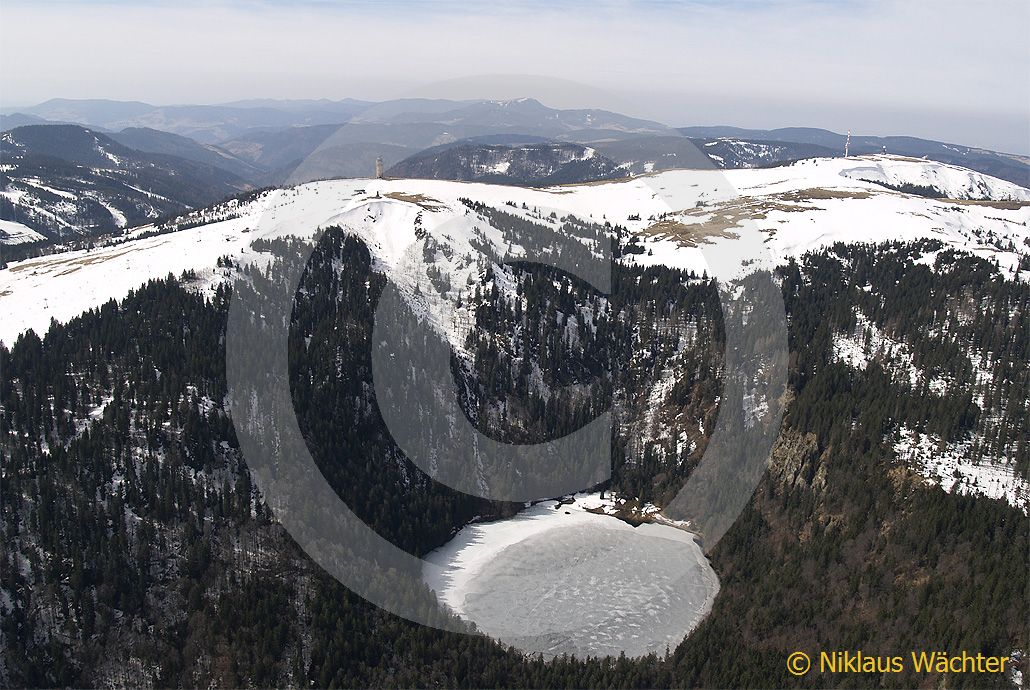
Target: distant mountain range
{"x": 1002, "y": 165}
{"x": 155, "y": 141}
{"x": 205, "y": 123}
{"x": 529, "y": 164}
{"x": 125, "y": 163}
{"x": 399, "y": 129}
{"x": 271, "y": 137}
{"x": 550, "y": 162}
{"x": 218, "y": 123}
{"x": 757, "y": 153}
{"x": 68, "y": 181}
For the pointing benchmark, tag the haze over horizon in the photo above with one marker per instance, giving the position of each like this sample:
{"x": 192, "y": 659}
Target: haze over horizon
{"x": 882, "y": 67}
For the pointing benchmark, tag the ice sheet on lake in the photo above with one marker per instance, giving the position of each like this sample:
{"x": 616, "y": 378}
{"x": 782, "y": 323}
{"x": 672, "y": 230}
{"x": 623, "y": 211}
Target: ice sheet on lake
{"x": 563, "y": 580}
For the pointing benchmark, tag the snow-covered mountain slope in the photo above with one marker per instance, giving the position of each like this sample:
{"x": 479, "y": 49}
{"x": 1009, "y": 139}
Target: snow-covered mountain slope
{"x": 678, "y": 216}
{"x": 1005, "y": 166}
{"x": 16, "y": 233}
{"x": 438, "y": 241}
{"x": 938, "y": 179}
{"x": 65, "y": 181}
{"x": 965, "y": 465}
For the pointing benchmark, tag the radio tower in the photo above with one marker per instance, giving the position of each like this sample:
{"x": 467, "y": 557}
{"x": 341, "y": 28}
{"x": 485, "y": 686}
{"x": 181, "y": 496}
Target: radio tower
{"x": 379, "y": 168}
{"x": 847, "y": 144}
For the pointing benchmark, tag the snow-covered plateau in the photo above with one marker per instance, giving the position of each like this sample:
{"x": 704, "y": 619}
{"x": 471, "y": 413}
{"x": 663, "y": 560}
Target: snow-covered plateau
{"x": 678, "y": 214}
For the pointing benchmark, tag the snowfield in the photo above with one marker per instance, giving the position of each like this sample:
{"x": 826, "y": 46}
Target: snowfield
{"x": 952, "y": 467}
{"x": 954, "y": 182}
{"x": 16, "y": 233}
{"x": 797, "y": 208}
{"x": 558, "y": 579}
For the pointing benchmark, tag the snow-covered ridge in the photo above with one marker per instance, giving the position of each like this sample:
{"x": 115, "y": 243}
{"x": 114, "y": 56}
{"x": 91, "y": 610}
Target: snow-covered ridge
{"x": 677, "y": 214}
{"x": 436, "y": 249}
{"x": 951, "y": 181}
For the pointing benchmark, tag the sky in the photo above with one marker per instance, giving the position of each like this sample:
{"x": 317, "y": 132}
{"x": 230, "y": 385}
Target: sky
{"x": 954, "y": 71}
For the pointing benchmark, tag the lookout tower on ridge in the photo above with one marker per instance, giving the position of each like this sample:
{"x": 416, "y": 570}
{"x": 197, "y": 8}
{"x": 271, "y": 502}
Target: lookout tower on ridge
{"x": 379, "y": 167}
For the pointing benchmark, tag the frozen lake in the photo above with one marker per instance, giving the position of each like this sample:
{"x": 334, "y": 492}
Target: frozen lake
{"x": 554, "y": 581}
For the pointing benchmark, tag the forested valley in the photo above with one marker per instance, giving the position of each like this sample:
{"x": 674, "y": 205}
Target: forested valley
{"x": 138, "y": 550}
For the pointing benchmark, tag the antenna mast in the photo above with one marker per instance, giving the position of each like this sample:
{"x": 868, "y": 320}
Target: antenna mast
{"x": 847, "y": 144}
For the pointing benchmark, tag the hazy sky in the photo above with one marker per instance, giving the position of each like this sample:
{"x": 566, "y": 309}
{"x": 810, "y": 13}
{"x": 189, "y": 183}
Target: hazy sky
{"x": 957, "y": 71}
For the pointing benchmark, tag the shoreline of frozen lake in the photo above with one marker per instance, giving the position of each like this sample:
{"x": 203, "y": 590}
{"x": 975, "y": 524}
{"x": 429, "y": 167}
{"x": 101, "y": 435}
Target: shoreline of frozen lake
{"x": 558, "y": 579}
